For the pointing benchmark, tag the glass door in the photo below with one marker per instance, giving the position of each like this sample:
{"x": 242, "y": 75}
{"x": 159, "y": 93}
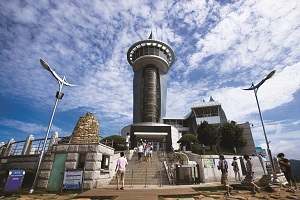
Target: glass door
{"x": 155, "y": 146}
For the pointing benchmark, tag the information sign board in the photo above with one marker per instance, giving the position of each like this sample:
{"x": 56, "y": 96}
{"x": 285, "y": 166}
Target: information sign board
{"x": 209, "y": 163}
{"x": 72, "y": 179}
{"x": 14, "y": 180}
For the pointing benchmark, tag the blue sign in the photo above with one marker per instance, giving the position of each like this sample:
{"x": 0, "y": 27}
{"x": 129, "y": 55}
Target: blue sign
{"x": 72, "y": 179}
{"x": 14, "y": 180}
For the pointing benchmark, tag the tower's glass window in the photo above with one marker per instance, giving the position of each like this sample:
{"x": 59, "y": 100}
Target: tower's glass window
{"x": 146, "y": 51}
{"x": 156, "y": 49}
{"x": 151, "y": 50}
{"x": 141, "y": 52}
{"x": 161, "y": 53}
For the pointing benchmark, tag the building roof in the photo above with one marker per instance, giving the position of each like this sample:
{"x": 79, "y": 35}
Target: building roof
{"x": 205, "y": 104}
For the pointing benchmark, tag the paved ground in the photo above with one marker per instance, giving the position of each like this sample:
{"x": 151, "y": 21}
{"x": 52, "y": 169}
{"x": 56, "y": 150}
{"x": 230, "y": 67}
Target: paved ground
{"x": 185, "y": 192}
{"x": 206, "y": 191}
{"x": 138, "y": 192}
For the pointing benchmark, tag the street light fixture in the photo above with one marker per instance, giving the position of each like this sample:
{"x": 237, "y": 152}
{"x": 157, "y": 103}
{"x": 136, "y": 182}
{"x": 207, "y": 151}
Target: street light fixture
{"x": 59, "y": 95}
{"x": 255, "y": 88}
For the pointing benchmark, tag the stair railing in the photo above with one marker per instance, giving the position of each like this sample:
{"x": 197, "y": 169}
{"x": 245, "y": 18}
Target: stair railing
{"x": 146, "y": 179}
{"x": 169, "y": 172}
{"x": 160, "y": 177}
{"x": 169, "y": 159}
{"x": 131, "y": 186}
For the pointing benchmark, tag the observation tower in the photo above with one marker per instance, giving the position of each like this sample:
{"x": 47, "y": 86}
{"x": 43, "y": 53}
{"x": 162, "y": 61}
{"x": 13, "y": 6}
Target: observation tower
{"x": 150, "y": 60}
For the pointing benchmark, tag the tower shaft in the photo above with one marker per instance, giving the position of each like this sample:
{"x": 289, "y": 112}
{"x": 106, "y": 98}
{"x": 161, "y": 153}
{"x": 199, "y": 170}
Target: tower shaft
{"x": 150, "y": 95}
{"x": 150, "y": 60}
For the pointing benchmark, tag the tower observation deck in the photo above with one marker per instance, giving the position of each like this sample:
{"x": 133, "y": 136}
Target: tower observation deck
{"x": 150, "y": 60}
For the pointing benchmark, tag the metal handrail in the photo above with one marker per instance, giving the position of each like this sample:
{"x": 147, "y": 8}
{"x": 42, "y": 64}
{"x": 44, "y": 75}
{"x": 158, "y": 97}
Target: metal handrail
{"x": 36, "y": 145}
{"x": 169, "y": 173}
{"x": 146, "y": 178}
{"x": 108, "y": 143}
{"x": 16, "y": 148}
{"x": 160, "y": 178}
{"x": 131, "y": 178}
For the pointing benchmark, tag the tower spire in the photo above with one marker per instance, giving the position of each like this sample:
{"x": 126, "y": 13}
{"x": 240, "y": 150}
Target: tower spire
{"x": 150, "y": 36}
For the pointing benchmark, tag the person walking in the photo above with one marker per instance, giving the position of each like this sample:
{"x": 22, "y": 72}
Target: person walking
{"x": 223, "y": 166}
{"x": 145, "y": 149}
{"x": 250, "y": 174}
{"x": 127, "y": 142}
{"x": 150, "y": 152}
{"x": 121, "y": 169}
{"x": 285, "y": 166}
{"x": 140, "y": 151}
{"x": 236, "y": 169}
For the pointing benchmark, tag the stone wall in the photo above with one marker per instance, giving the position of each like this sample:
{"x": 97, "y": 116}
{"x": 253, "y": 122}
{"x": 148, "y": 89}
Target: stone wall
{"x": 84, "y": 144}
{"x": 93, "y": 174}
{"x": 208, "y": 167}
{"x": 26, "y": 162}
{"x": 86, "y": 130}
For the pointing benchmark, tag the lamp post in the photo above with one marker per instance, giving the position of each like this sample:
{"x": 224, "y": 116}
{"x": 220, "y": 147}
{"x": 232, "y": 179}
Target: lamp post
{"x": 255, "y": 88}
{"x": 59, "y": 95}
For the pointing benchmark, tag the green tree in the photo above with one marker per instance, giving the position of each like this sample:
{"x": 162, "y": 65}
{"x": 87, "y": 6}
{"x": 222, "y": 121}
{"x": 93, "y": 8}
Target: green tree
{"x": 231, "y": 136}
{"x": 187, "y": 140}
{"x": 118, "y": 142}
{"x": 208, "y": 134}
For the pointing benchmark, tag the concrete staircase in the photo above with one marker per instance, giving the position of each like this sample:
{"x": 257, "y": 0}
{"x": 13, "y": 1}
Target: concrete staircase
{"x": 145, "y": 173}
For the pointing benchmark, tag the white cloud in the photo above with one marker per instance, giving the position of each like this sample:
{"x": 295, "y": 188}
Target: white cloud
{"x": 29, "y": 128}
{"x": 220, "y": 48}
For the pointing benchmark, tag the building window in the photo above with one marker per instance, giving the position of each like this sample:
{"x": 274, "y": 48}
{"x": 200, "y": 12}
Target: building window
{"x": 105, "y": 162}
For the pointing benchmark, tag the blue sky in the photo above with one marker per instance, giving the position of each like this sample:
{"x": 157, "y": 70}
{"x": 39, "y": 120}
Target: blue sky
{"x": 220, "y": 48}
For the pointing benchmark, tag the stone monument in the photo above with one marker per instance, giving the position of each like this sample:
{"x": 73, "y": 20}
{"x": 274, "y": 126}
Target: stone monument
{"x": 86, "y": 130}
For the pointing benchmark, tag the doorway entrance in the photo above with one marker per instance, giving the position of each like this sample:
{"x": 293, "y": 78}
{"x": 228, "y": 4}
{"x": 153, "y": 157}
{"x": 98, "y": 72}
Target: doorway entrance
{"x": 56, "y": 175}
{"x": 155, "y": 146}
{"x": 157, "y": 139}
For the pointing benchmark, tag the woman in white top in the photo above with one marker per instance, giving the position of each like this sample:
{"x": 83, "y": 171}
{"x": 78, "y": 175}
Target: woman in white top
{"x": 127, "y": 141}
{"x": 150, "y": 152}
{"x": 140, "y": 152}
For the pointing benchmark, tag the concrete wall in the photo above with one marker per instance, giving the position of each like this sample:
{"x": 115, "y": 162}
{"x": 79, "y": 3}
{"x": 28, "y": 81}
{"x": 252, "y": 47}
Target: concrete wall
{"x": 175, "y": 138}
{"x": 250, "y": 146}
{"x": 209, "y": 171}
{"x": 26, "y": 162}
{"x": 93, "y": 174}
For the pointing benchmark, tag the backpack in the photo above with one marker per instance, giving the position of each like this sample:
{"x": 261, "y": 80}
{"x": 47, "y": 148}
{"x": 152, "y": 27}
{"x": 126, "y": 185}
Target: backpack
{"x": 225, "y": 170}
{"x": 226, "y": 165}
{"x": 234, "y": 164}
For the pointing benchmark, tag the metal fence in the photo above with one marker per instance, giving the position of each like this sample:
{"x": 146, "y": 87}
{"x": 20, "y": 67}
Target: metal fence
{"x": 33, "y": 146}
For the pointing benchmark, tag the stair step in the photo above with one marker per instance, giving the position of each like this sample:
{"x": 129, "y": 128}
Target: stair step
{"x": 154, "y": 170}
{"x": 150, "y": 182}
